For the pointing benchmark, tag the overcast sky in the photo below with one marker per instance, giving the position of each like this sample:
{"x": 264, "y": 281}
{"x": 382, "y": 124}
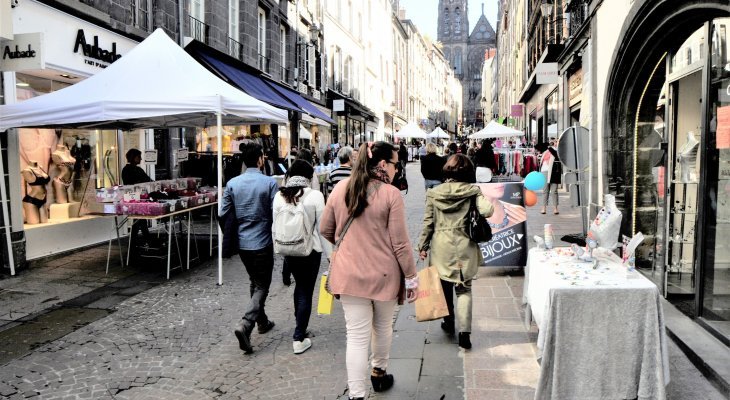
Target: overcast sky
{"x": 424, "y": 14}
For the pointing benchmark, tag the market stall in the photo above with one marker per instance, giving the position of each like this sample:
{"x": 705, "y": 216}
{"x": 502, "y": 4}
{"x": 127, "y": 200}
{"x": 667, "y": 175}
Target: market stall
{"x": 170, "y": 89}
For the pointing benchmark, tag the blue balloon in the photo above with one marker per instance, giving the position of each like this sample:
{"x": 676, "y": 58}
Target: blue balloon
{"x": 534, "y": 181}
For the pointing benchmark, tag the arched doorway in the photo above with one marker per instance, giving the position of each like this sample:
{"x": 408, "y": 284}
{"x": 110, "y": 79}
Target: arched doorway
{"x": 665, "y": 149}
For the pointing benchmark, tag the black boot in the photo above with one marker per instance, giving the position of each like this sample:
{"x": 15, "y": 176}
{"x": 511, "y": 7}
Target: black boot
{"x": 380, "y": 380}
{"x": 464, "y": 341}
{"x": 448, "y": 326}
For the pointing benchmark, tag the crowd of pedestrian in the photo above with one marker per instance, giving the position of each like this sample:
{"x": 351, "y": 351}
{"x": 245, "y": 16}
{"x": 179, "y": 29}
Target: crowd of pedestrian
{"x": 372, "y": 266}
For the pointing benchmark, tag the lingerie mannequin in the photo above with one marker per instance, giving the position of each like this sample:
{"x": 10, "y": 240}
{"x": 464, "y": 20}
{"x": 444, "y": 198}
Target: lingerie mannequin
{"x": 687, "y": 159}
{"x": 35, "y": 199}
{"x": 65, "y": 164}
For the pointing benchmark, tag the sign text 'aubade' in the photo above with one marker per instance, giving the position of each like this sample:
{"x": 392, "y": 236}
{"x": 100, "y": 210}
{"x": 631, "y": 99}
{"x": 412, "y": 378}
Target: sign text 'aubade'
{"x": 94, "y": 51}
{"x": 7, "y": 53}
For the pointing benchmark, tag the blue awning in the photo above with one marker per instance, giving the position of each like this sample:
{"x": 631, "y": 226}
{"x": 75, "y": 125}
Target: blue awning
{"x": 249, "y": 83}
{"x": 303, "y": 103}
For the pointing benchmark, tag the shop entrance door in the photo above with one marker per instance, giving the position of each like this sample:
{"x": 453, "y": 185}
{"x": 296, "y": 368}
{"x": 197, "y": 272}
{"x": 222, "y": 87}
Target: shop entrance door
{"x": 685, "y": 92}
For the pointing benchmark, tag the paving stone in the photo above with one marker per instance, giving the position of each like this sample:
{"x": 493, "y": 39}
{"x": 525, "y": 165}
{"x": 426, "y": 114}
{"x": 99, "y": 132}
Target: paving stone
{"x": 441, "y": 387}
{"x": 408, "y": 345}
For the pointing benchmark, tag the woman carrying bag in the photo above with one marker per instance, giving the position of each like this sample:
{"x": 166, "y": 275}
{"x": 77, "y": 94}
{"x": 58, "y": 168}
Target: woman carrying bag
{"x": 373, "y": 262}
{"x": 453, "y": 253}
{"x": 298, "y": 209}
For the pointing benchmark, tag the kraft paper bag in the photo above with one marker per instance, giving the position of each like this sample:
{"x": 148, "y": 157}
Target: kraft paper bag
{"x": 326, "y": 300}
{"x": 431, "y": 302}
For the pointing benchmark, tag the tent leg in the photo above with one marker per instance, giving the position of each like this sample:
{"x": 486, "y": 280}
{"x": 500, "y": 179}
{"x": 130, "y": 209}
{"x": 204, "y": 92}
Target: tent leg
{"x": 219, "y": 136}
{"x": 6, "y": 216}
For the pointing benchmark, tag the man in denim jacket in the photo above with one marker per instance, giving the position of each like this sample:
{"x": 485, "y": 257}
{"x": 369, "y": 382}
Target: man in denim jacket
{"x": 251, "y": 194}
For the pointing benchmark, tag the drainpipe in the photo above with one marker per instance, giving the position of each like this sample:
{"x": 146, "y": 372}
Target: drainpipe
{"x": 180, "y": 24}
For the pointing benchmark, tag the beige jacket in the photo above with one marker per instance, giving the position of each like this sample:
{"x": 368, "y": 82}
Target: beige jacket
{"x": 376, "y": 249}
{"x": 451, "y": 251}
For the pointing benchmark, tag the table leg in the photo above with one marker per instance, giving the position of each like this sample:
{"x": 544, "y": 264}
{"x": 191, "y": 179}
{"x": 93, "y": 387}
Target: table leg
{"x": 188, "y": 247}
{"x": 129, "y": 245}
{"x": 210, "y": 234}
{"x": 169, "y": 244}
{"x": 119, "y": 242}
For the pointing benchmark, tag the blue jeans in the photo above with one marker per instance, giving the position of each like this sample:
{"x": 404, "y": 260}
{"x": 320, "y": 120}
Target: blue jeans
{"x": 432, "y": 183}
{"x": 260, "y": 266}
{"x": 305, "y": 271}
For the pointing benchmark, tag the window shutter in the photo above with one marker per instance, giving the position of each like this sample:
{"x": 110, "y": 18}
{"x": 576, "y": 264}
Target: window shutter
{"x": 312, "y": 60}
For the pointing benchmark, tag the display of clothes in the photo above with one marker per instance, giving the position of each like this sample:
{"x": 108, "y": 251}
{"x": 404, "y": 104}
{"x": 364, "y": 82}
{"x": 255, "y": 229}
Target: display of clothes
{"x": 514, "y": 161}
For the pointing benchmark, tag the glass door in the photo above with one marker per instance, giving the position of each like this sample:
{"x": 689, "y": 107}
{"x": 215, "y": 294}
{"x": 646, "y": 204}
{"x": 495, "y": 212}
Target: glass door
{"x": 714, "y": 298}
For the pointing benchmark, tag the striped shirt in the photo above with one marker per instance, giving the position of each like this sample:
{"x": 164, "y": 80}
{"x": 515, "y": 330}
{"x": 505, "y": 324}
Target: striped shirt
{"x": 337, "y": 175}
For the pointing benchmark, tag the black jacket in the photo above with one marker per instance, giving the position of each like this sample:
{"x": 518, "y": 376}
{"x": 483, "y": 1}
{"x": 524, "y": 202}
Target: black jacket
{"x": 432, "y": 167}
{"x": 132, "y": 175}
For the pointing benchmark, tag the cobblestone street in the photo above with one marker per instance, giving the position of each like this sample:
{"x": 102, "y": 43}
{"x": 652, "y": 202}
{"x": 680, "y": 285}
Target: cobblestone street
{"x": 175, "y": 341}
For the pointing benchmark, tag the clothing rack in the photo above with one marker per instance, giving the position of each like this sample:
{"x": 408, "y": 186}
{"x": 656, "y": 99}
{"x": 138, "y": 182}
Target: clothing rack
{"x": 514, "y": 164}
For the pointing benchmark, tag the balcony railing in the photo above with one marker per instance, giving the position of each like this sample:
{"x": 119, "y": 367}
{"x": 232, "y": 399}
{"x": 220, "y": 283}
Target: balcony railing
{"x": 235, "y": 49}
{"x": 199, "y": 30}
{"x": 578, "y": 11}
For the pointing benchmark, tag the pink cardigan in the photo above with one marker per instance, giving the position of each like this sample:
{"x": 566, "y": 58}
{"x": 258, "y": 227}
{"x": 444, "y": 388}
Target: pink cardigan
{"x": 376, "y": 247}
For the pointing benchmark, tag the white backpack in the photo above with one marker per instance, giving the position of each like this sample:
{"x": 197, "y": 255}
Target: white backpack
{"x": 292, "y": 230}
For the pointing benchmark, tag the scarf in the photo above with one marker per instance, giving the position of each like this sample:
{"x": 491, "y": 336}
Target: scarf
{"x": 380, "y": 174}
{"x": 297, "y": 181}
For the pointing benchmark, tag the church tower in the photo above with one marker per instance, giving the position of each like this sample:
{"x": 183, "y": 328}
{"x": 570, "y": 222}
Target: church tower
{"x": 466, "y": 52}
{"x": 453, "y": 32}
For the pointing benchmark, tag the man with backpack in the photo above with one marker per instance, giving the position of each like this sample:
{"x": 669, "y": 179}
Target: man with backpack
{"x": 251, "y": 195}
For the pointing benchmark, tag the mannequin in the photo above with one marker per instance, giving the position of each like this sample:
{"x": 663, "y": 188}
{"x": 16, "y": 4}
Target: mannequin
{"x": 65, "y": 164}
{"x": 687, "y": 159}
{"x": 35, "y": 198}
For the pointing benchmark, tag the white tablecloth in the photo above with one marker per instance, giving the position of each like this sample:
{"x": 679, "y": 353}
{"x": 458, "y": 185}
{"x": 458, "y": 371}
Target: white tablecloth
{"x": 601, "y": 331}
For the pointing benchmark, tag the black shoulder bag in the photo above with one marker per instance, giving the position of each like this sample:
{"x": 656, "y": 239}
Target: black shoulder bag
{"x": 477, "y": 227}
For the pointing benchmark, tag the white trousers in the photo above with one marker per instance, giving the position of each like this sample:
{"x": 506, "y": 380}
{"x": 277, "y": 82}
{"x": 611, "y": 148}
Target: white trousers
{"x": 365, "y": 320}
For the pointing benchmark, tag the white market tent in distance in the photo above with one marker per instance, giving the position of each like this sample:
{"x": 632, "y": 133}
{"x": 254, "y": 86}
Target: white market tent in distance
{"x": 411, "y": 131}
{"x": 495, "y": 130}
{"x": 157, "y": 84}
{"x": 438, "y": 133}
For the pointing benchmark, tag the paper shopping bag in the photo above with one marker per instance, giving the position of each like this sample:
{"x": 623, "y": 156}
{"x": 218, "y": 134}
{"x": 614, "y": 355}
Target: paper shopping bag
{"x": 431, "y": 303}
{"x": 326, "y": 300}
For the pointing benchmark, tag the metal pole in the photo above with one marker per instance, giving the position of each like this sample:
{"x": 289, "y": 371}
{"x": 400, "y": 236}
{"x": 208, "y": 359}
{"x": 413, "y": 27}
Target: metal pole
{"x": 6, "y": 214}
{"x": 219, "y": 136}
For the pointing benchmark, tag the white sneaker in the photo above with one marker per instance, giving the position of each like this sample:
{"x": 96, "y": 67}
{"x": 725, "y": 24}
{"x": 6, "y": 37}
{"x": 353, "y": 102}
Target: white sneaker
{"x": 301, "y": 347}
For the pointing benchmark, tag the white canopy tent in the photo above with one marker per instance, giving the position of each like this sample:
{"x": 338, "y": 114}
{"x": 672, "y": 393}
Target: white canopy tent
{"x": 410, "y": 131}
{"x": 438, "y": 133}
{"x": 157, "y": 84}
{"x": 495, "y": 130}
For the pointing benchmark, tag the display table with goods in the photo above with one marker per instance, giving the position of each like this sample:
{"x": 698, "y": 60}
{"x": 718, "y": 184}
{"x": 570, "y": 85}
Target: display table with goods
{"x": 601, "y": 326}
{"x": 166, "y": 201}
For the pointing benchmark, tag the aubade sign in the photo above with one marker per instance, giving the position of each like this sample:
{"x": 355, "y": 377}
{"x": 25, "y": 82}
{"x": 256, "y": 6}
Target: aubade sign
{"x": 94, "y": 51}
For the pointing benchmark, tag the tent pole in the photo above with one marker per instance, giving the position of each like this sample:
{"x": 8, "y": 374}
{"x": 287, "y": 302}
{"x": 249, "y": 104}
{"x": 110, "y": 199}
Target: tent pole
{"x": 219, "y": 136}
{"x": 6, "y": 215}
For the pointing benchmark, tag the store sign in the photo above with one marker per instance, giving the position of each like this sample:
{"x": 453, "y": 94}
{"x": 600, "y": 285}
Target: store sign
{"x": 575, "y": 87}
{"x": 150, "y": 156}
{"x": 71, "y": 45}
{"x": 547, "y": 73}
{"x": 722, "y": 130}
{"x": 338, "y": 105}
{"x": 182, "y": 154}
{"x": 23, "y": 53}
{"x": 508, "y": 247}
{"x": 97, "y": 56}
{"x": 517, "y": 110}
{"x": 724, "y": 91}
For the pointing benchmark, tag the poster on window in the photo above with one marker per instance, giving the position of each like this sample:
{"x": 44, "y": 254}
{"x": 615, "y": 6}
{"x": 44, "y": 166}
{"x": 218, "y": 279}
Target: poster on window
{"x": 508, "y": 247}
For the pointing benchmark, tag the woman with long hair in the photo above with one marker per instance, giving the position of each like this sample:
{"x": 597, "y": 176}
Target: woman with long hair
{"x": 374, "y": 262}
{"x": 305, "y": 269}
{"x": 456, "y": 257}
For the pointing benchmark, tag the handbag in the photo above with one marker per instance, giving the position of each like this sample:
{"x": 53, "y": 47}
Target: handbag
{"x": 431, "y": 301}
{"x": 477, "y": 227}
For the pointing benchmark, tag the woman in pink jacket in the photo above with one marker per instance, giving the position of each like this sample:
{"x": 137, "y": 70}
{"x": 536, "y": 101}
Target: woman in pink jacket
{"x": 373, "y": 262}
